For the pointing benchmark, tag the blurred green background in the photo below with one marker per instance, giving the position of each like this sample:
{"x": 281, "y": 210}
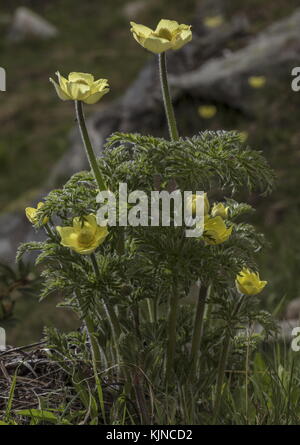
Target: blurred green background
{"x": 94, "y": 37}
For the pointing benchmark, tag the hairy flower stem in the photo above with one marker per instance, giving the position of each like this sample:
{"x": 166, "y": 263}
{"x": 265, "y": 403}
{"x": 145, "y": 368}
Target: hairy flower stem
{"x": 113, "y": 319}
{"x": 172, "y": 332}
{"x": 167, "y": 97}
{"x": 88, "y": 146}
{"x": 223, "y": 361}
{"x": 93, "y": 163}
{"x": 197, "y": 332}
{"x": 96, "y": 358}
{"x": 95, "y": 352}
{"x": 221, "y": 373}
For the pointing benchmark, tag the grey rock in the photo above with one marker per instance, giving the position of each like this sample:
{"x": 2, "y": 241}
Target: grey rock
{"x": 26, "y": 23}
{"x": 293, "y": 310}
{"x": 132, "y": 10}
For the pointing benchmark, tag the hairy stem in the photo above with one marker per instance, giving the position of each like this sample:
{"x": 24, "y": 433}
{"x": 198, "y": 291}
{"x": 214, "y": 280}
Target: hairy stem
{"x": 221, "y": 373}
{"x": 167, "y": 97}
{"x": 88, "y": 146}
{"x": 113, "y": 319}
{"x": 172, "y": 332}
{"x": 197, "y": 332}
{"x": 223, "y": 360}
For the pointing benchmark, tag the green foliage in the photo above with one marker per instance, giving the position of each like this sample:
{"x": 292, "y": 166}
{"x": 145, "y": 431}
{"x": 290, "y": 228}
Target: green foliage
{"x": 134, "y": 286}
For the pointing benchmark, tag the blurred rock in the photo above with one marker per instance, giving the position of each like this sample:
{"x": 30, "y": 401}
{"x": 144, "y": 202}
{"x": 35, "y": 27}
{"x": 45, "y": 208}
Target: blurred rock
{"x": 224, "y": 79}
{"x": 28, "y": 24}
{"x": 293, "y": 310}
{"x": 133, "y": 9}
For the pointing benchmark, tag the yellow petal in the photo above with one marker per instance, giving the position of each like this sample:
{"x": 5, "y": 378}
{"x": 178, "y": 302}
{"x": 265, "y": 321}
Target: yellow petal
{"x": 81, "y": 77}
{"x": 140, "y": 30}
{"x": 257, "y": 81}
{"x": 31, "y": 214}
{"x": 101, "y": 234}
{"x": 99, "y": 85}
{"x": 69, "y": 238}
{"x": 207, "y": 111}
{"x": 214, "y": 21}
{"x": 87, "y": 222}
{"x": 170, "y": 25}
{"x": 219, "y": 210}
{"x": 182, "y": 39}
{"x": 157, "y": 45}
{"x": 85, "y": 250}
{"x": 61, "y": 94}
{"x": 93, "y": 98}
{"x": 77, "y": 91}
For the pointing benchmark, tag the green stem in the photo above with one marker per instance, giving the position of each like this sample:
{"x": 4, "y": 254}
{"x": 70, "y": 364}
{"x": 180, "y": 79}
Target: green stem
{"x": 167, "y": 97}
{"x": 197, "y": 332}
{"x": 150, "y": 310}
{"x": 223, "y": 360}
{"x": 221, "y": 373}
{"x": 172, "y": 332}
{"x": 88, "y": 146}
{"x": 96, "y": 358}
{"x": 113, "y": 319}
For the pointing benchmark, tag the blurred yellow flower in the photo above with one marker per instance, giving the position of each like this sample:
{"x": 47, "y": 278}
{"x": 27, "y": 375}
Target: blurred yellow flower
{"x": 31, "y": 214}
{"x": 192, "y": 202}
{"x": 243, "y": 136}
{"x": 207, "y": 111}
{"x": 219, "y": 210}
{"x": 215, "y": 230}
{"x": 80, "y": 86}
{"x": 84, "y": 236}
{"x": 257, "y": 81}
{"x": 249, "y": 283}
{"x": 167, "y": 35}
{"x": 213, "y": 21}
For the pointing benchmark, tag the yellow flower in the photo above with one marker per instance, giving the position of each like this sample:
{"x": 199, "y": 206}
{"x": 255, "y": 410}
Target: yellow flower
{"x": 207, "y": 111}
{"x": 31, "y": 214}
{"x": 257, "y": 81}
{"x": 193, "y": 199}
{"x": 219, "y": 210}
{"x": 215, "y": 230}
{"x": 249, "y": 283}
{"x": 84, "y": 236}
{"x": 167, "y": 35}
{"x": 80, "y": 86}
{"x": 214, "y": 21}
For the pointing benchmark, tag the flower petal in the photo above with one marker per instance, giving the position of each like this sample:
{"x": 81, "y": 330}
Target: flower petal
{"x": 140, "y": 30}
{"x": 182, "y": 39}
{"x": 81, "y": 77}
{"x": 77, "y": 91}
{"x": 157, "y": 45}
{"x": 68, "y": 236}
{"x": 61, "y": 94}
{"x": 93, "y": 98}
{"x": 164, "y": 24}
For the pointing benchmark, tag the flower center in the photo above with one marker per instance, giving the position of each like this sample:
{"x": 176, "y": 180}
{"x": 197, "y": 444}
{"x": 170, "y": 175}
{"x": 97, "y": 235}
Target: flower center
{"x": 85, "y": 237}
{"x": 82, "y": 82}
{"x": 165, "y": 34}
